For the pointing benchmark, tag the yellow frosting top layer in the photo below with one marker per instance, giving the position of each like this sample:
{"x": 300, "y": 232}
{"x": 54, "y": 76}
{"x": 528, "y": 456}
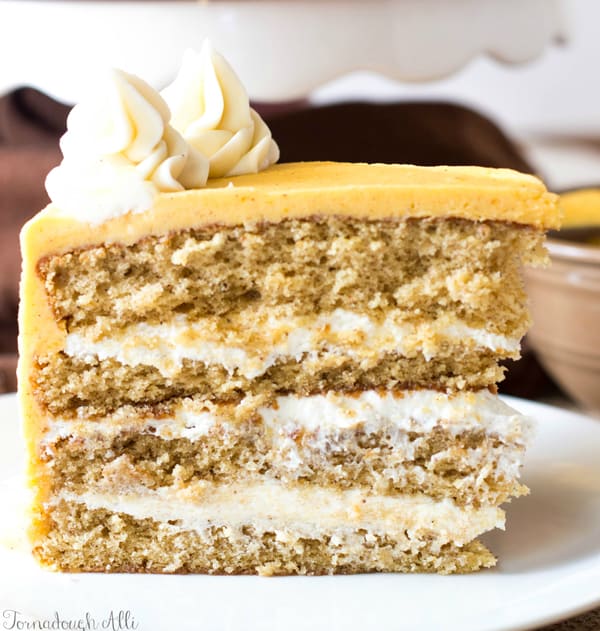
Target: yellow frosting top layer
{"x": 370, "y": 191}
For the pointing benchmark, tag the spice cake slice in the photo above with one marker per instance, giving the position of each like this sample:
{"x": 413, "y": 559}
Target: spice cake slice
{"x": 279, "y": 372}
{"x": 189, "y": 392}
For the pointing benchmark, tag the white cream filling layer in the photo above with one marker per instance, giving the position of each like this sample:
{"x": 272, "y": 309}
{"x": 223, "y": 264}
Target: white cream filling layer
{"x": 325, "y": 421}
{"x": 341, "y": 332}
{"x": 407, "y": 410}
{"x": 271, "y": 506}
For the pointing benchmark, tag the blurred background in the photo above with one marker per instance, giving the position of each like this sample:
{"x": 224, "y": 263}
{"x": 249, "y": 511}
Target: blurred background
{"x": 500, "y": 83}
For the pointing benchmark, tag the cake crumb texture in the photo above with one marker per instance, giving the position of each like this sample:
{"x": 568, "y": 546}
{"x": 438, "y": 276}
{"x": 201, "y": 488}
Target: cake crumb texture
{"x": 90, "y": 387}
{"x": 80, "y": 539}
{"x": 386, "y": 461}
{"x": 426, "y": 267}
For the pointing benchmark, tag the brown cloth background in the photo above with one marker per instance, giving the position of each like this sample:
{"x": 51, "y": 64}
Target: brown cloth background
{"x": 30, "y": 125}
{"x": 416, "y": 133}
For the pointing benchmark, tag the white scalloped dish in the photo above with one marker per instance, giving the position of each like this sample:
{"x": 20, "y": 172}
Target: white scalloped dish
{"x": 283, "y": 49}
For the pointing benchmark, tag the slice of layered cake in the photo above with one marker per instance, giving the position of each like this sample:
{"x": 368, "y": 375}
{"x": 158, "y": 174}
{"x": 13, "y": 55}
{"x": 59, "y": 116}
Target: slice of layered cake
{"x": 286, "y": 369}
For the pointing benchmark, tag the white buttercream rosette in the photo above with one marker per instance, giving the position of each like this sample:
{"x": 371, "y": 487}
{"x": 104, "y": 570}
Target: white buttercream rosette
{"x": 210, "y": 108}
{"x": 124, "y": 145}
{"x": 120, "y": 151}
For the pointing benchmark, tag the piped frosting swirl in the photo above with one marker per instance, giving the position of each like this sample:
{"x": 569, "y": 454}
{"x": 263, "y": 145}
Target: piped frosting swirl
{"x": 211, "y": 109}
{"x": 120, "y": 151}
{"x": 122, "y": 147}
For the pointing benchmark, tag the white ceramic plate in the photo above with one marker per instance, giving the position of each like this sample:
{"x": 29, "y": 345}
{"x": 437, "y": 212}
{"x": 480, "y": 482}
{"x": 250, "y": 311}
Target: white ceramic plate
{"x": 549, "y": 565}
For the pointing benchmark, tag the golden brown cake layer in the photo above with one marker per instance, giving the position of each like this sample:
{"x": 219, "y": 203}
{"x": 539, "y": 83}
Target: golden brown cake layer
{"x": 427, "y": 268}
{"x": 80, "y": 539}
{"x": 387, "y": 461}
{"x": 69, "y": 386}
